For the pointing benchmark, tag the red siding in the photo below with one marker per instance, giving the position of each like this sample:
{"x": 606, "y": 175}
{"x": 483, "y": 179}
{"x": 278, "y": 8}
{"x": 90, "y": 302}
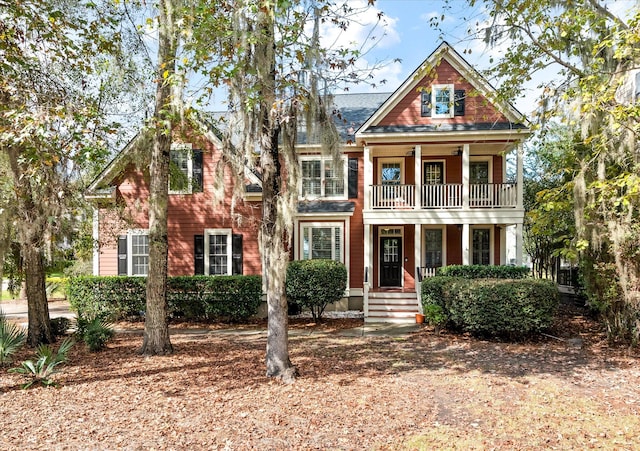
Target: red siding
{"x": 454, "y": 245}
{"x": 356, "y": 261}
{"x": 408, "y": 259}
{"x": 189, "y": 215}
{"x": 497, "y": 169}
{"x": 477, "y": 107}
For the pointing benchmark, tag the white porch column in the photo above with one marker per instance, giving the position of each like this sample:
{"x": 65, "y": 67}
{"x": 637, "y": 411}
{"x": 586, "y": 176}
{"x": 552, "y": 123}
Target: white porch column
{"x": 95, "y": 235}
{"x": 368, "y": 268}
{"x": 503, "y": 244}
{"x": 465, "y": 244}
{"x": 368, "y": 178}
{"x": 417, "y": 159}
{"x": 519, "y": 244}
{"x": 520, "y": 178}
{"x": 465, "y": 176}
{"x": 417, "y": 247}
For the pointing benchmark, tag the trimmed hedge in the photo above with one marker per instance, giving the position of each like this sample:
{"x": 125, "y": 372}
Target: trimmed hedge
{"x": 503, "y": 308}
{"x": 314, "y": 284}
{"x": 484, "y": 271}
{"x": 189, "y": 297}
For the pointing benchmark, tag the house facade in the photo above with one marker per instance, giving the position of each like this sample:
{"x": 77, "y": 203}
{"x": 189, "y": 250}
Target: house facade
{"x": 422, "y": 182}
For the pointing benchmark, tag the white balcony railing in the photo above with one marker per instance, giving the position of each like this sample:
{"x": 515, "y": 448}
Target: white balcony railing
{"x": 441, "y": 196}
{"x": 393, "y": 196}
{"x": 445, "y": 196}
{"x": 492, "y": 195}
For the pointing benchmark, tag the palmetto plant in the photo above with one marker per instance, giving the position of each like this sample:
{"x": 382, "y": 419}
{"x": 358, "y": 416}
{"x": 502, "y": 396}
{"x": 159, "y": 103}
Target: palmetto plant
{"x": 46, "y": 365}
{"x": 11, "y": 339}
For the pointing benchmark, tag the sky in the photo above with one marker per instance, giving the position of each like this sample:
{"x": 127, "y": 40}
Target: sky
{"x": 409, "y": 37}
{"x": 404, "y": 38}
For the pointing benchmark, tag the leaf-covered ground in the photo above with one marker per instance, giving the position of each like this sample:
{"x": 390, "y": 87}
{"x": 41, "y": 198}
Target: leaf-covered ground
{"x": 419, "y": 391}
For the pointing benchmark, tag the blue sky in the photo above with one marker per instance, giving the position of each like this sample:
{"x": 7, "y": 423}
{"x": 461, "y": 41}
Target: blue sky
{"x": 408, "y": 35}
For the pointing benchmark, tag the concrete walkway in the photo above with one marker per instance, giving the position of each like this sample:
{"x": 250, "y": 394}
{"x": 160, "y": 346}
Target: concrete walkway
{"x": 17, "y": 309}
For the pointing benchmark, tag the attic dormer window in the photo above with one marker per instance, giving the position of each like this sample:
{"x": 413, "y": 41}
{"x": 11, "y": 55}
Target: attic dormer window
{"x": 442, "y": 101}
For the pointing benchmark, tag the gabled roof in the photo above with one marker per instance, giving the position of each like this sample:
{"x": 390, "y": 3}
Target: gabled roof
{"x": 448, "y": 53}
{"x": 101, "y": 187}
{"x": 349, "y": 112}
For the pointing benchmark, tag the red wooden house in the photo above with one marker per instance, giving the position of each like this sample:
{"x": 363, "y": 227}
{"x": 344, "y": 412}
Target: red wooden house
{"x": 422, "y": 183}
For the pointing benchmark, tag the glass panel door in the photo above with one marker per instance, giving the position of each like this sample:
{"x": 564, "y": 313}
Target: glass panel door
{"x": 390, "y": 262}
{"x": 481, "y": 246}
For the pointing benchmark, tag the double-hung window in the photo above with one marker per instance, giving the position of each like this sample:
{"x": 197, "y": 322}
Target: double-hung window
{"x": 442, "y": 101}
{"x": 217, "y": 256}
{"x": 185, "y": 170}
{"x": 323, "y": 241}
{"x": 322, "y": 177}
{"x": 133, "y": 253}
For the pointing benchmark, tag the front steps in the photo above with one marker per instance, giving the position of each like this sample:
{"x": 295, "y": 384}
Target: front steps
{"x": 392, "y": 307}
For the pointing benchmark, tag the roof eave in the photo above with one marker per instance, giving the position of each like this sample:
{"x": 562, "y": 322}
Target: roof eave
{"x": 513, "y": 134}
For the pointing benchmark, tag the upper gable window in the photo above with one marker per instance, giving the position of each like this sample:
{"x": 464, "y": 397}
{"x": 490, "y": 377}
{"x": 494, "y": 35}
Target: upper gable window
{"x": 185, "y": 170}
{"x": 442, "y": 101}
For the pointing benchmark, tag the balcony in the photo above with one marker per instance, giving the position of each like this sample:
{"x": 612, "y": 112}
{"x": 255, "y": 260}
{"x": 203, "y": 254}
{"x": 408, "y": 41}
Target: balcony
{"x": 445, "y": 196}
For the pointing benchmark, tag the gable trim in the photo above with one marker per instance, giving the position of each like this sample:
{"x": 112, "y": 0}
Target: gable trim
{"x": 471, "y": 75}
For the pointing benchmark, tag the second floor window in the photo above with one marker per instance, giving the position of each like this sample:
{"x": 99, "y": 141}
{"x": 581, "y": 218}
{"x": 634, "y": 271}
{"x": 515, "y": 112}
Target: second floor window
{"x": 320, "y": 178}
{"x": 185, "y": 170}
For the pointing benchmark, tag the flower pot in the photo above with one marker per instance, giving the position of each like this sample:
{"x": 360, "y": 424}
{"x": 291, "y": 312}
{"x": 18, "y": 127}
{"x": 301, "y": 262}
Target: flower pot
{"x": 419, "y": 318}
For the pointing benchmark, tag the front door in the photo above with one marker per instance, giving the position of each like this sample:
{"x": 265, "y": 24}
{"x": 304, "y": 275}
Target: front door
{"x": 391, "y": 261}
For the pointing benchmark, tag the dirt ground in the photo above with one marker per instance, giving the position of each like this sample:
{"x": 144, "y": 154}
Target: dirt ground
{"x": 418, "y": 391}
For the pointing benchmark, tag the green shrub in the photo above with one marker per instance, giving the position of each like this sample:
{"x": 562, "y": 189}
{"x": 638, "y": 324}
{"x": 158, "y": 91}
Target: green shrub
{"x": 433, "y": 289}
{"x": 493, "y": 307}
{"x": 59, "y": 326}
{"x": 484, "y": 271}
{"x": 94, "y": 332}
{"x": 46, "y": 365}
{"x": 56, "y": 286}
{"x": 234, "y": 298}
{"x": 12, "y": 337}
{"x": 314, "y": 284}
{"x": 435, "y": 316}
{"x": 111, "y": 296}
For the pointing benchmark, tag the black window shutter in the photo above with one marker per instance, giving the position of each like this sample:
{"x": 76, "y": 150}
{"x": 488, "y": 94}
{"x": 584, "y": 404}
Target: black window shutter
{"x": 236, "y": 255}
{"x": 197, "y": 172}
{"x": 458, "y": 99}
{"x": 122, "y": 255}
{"x": 425, "y": 100}
{"x": 198, "y": 254}
{"x": 353, "y": 178}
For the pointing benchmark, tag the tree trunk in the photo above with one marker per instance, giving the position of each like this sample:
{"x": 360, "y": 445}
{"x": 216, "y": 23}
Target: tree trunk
{"x": 274, "y": 264}
{"x": 273, "y": 232}
{"x": 156, "y": 329}
{"x": 38, "y": 309}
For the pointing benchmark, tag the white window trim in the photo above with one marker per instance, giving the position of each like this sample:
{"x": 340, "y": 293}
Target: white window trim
{"x": 492, "y": 247}
{"x": 130, "y": 234}
{"x": 382, "y": 161}
{"x": 188, "y": 148}
{"x": 451, "y": 112}
{"x": 489, "y": 159}
{"x": 229, "y": 235}
{"x": 323, "y": 224}
{"x": 323, "y": 195}
{"x": 444, "y": 169}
